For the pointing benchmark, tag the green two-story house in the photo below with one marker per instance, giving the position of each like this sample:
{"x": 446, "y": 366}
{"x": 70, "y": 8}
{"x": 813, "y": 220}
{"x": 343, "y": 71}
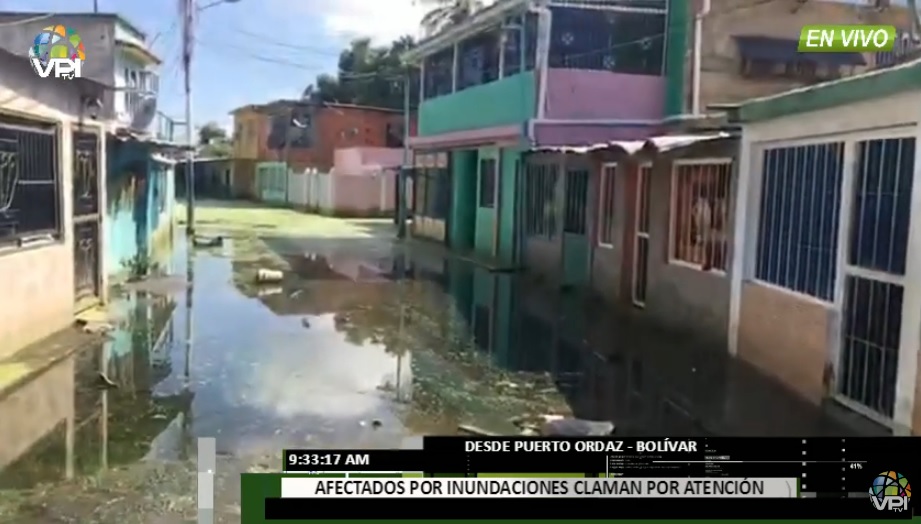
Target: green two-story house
{"x": 526, "y": 73}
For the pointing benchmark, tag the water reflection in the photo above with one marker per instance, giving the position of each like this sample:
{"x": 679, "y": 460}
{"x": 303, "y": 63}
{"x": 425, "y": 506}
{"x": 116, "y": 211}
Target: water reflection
{"x": 68, "y": 422}
{"x": 358, "y": 349}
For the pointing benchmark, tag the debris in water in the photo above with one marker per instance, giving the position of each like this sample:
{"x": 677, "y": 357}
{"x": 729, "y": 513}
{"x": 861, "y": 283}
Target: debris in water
{"x": 305, "y": 323}
{"x": 296, "y": 293}
{"x": 265, "y": 276}
{"x": 104, "y": 382}
{"x": 473, "y": 430}
{"x": 269, "y": 291}
{"x": 376, "y": 423}
{"x": 574, "y": 427}
{"x": 95, "y": 327}
{"x": 208, "y": 242}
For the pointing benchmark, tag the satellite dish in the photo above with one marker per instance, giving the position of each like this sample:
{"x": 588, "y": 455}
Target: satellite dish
{"x": 145, "y": 113}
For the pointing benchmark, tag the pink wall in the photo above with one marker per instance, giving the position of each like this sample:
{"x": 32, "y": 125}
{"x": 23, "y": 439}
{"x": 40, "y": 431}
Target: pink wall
{"x": 360, "y": 160}
{"x": 585, "y": 134}
{"x": 583, "y": 93}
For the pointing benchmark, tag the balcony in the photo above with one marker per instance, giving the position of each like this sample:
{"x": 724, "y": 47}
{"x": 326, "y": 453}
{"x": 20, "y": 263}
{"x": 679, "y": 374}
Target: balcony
{"x": 503, "y": 102}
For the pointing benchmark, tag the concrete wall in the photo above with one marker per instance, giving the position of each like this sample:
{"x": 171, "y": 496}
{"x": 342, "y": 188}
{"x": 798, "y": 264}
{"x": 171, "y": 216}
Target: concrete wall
{"x": 38, "y": 299}
{"x": 39, "y": 406}
{"x": 251, "y": 130}
{"x": 720, "y": 79}
{"x": 97, "y": 34}
{"x": 680, "y": 296}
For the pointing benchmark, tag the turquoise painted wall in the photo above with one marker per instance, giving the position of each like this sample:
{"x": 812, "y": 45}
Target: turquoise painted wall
{"x": 678, "y": 27}
{"x": 136, "y": 187}
{"x": 507, "y": 209}
{"x": 508, "y": 101}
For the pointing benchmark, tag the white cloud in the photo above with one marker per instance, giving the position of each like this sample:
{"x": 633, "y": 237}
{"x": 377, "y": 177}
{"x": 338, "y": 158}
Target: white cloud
{"x": 383, "y": 21}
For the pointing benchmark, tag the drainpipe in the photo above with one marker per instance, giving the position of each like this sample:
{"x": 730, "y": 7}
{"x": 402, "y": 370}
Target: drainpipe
{"x": 698, "y": 45}
{"x": 544, "y": 21}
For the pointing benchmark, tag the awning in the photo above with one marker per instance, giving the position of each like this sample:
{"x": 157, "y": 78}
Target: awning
{"x": 786, "y": 51}
{"x": 658, "y": 144}
{"x": 475, "y": 137}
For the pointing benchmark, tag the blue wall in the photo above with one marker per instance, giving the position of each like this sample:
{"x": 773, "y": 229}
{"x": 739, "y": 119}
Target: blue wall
{"x": 139, "y": 192}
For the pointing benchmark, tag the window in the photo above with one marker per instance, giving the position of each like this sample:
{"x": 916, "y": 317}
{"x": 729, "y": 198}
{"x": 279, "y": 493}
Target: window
{"x": 700, "y": 214}
{"x": 627, "y": 41}
{"x": 575, "y": 193}
{"x": 30, "y": 203}
{"x": 540, "y": 199}
{"x": 606, "y": 206}
{"x": 438, "y": 71}
{"x": 798, "y": 218}
{"x": 882, "y": 205}
{"x": 488, "y": 182}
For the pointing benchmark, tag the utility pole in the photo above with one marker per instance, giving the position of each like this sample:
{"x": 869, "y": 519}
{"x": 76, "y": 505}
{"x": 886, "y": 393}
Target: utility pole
{"x": 95, "y": 6}
{"x": 188, "y": 42}
{"x": 402, "y": 204}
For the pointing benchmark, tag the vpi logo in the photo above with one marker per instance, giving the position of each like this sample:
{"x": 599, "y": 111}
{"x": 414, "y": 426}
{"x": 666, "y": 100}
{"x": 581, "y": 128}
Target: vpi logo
{"x": 59, "y": 50}
{"x": 890, "y": 491}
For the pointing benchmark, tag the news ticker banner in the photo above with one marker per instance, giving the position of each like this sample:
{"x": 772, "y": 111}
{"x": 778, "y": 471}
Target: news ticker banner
{"x": 822, "y": 465}
{"x": 367, "y": 496}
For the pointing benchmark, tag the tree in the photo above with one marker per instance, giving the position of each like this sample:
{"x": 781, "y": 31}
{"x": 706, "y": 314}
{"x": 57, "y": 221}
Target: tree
{"x": 446, "y": 13}
{"x": 211, "y": 132}
{"x": 368, "y": 75}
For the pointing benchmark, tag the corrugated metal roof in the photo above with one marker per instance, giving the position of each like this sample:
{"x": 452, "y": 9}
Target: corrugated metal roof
{"x": 659, "y": 144}
{"x": 786, "y": 50}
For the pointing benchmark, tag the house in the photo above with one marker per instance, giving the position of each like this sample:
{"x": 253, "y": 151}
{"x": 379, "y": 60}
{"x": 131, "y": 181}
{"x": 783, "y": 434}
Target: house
{"x": 52, "y": 153}
{"x": 826, "y": 282}
{"x": 264, "y": 132}
{"x": 138, "y": 208}
{"x": 213, "y": 178}
{"x": 622, "y": 217}
{"x": 251, "y": 129}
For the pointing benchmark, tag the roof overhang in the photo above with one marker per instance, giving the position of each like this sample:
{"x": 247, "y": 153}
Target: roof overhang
{"x": 658, "y": 144}
{"x": 138, "y": 51}
{"x": 849, "y": 90}
{"x": 477, "y": 23}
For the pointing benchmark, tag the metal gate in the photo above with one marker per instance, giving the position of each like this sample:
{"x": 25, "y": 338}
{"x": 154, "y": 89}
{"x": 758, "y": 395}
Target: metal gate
{"x": 878, "y": 211}
{"x": 86, "y": 217}
{"x": 641, "y": 237}
{"x": 575, "y": 227}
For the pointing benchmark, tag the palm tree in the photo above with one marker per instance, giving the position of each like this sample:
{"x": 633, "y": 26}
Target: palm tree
{"x": 446, "y": 13}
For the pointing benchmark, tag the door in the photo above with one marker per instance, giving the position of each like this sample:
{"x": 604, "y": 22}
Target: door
{"x": 575, "y": 245}
{"x": 878, "y": 213}
{"x": 641, "y": 237}
{"x": 86, "y": 218}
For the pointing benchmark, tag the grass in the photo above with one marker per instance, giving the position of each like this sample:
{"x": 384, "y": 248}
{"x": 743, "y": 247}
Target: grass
{"x": 233, "y": 217}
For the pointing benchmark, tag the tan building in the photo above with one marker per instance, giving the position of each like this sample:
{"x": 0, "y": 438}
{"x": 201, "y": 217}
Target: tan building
{"x": 749, "y": 47}
{"x": 50, "y": 264}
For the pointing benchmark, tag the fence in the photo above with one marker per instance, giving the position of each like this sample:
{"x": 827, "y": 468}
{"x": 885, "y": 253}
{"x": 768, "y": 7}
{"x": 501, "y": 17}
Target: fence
{"x": 360, "y": 195}
{"x": 311, "y": 190}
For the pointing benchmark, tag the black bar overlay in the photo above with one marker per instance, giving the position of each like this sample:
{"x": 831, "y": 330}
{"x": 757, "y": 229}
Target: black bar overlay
{"x": 575, "y": 508}
{"x": 827, "y": 464}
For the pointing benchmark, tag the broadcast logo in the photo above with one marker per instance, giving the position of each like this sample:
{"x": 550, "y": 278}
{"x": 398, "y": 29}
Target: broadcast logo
{"x": 890, "y": 491}
{"x": 58, "y": 50}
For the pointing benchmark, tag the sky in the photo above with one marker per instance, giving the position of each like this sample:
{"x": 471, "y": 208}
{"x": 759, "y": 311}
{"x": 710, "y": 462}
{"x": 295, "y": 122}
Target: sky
{"x": 238, "y": 42}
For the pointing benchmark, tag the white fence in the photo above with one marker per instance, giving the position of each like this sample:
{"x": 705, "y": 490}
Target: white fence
{"x": 311, "y": 190}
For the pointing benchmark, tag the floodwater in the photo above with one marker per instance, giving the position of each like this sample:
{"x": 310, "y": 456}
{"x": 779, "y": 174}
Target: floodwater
{"x": 365, "y": 344}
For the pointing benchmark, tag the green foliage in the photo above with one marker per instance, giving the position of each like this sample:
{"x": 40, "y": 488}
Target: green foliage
{"x": 368, "y": 75}
{"x": 139, "y": 266}
{"x": 446, "y": 13}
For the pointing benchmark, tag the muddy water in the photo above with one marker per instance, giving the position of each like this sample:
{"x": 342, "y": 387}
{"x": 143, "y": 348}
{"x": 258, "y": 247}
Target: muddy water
{"x": 359, "y": 345}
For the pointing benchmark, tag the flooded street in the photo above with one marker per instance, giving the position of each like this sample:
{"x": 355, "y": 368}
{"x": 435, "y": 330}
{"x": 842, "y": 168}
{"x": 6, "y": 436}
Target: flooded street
{"x": 362, "y": 343}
